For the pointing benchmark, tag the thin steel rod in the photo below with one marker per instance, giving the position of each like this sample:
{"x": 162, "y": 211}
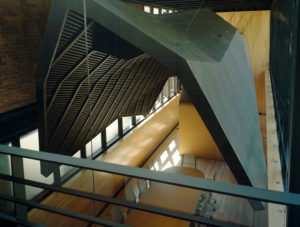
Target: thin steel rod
{"x": 19, "y": 221}
{"x": 174, "y": 179}
{"x": 119, "y": 202}
{"x": 56, "y": 210}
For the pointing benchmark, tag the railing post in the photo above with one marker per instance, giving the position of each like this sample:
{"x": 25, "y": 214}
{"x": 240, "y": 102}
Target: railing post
{"x": 17, "y": 167}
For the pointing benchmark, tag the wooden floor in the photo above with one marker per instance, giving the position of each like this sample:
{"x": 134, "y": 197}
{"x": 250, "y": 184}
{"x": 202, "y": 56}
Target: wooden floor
{"x": 230, "y": 209}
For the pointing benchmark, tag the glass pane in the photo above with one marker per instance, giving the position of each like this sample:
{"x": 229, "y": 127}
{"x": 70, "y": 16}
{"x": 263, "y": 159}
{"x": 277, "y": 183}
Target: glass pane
{"x": 139, "y": 118}
{"x": 6, "y": 187}
{"x": 32, "y": 171}
{"x": 30, "y": 140}
{"x": 5, "y": 164}
{"x": 127, "y": 123}
{"x": 112, "y": 131}
{"x": 32, "y": 168}
{"x": 158, "y": 101}
{"x": 165, "y": 92}
{"x": 155, "y": 10}
{"x": 164, "y": 11}
{"x": 96, "y": 143}
{"x": 88, "y": 149}
{"x": 147, "y": 9}
{"x": 64, "y": 170}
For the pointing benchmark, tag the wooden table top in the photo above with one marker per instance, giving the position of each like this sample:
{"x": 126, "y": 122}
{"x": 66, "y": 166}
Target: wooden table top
{"x": 167, "y": 196}
{"x": 185, "y": 171}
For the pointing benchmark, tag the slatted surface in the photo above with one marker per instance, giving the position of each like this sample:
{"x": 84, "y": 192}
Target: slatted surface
{"x": 215, "y": 5}
{"x": 86, "y": 88}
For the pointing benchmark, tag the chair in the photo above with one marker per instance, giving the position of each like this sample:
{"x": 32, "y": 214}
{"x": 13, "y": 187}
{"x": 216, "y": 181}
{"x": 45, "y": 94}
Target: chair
{"x": 129, "y": 194}
{"x": 142, "y": 185}
{"x": 188, "y": 161}
{"x": 206, "y": 203}
{"x": 116, "y": 214}
{"x": 210, "y": 203}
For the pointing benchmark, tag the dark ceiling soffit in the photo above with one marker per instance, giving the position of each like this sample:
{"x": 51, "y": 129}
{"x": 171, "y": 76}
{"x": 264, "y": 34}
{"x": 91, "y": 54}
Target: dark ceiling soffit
{"x": 217, "y": 6}
{"x": 188, "y": 58}
{"x": 17, "y": 122}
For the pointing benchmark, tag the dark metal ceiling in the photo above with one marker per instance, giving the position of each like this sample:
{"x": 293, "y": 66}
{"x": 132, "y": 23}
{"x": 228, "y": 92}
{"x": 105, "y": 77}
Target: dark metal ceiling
{"x": 215, "y": 5}
{"x": 94, "y": 78}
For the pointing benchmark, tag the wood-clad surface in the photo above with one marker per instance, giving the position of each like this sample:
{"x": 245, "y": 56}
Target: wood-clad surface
{"x": 277, "y": 213}
{"x": 229, "y": 208}
{"x": 167, "y": 196}
{"x": 132, "y": 151}
{"x": 194, "y": 137}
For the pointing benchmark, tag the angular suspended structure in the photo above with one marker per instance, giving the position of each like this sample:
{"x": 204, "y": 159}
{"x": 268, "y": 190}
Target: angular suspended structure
{"x": 116, "y": 62}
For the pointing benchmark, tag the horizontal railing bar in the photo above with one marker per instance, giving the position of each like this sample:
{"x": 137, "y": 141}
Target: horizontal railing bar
{"x": 19, "y": 221}
{"x": 60, "y": 211}
{"x": 174, "y": 179}
{"x": 138, "y": 206}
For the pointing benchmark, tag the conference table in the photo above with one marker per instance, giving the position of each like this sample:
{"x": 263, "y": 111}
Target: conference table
{"x": 167, "y": 196}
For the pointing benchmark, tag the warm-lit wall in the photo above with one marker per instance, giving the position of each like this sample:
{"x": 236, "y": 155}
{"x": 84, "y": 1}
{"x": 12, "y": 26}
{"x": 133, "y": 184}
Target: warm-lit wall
{"x": 194, "y": 138}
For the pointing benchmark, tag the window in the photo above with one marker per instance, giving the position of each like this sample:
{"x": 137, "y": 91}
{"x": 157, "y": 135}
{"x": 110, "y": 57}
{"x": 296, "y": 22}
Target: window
{"x": 6, "y": 187}
{"x": 155, "y": 10}
{"x": 165, "y": 92}
{"x": 96, "y": 143}
{"x": 63, "y": 169}
{"x": 147, "y": 9}
{"x": 127, "y": 123}
{"x": 158, "y": 102}
{"x": 88, "y": 149}
{"x": 112, "y": 131}
{"x": 139, "y": 118}
{"x": 32, "y": 168}
{"x": 30, "y": 140}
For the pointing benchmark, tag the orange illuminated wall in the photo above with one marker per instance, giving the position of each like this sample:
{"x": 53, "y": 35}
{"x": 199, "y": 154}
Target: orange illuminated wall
{"x": 194, "y": 138}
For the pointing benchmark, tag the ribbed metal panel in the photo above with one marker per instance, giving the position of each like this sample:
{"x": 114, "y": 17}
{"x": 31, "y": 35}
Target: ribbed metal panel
{"x": 87, "y": 88}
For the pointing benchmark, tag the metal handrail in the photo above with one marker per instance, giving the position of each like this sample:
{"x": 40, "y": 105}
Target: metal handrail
{"x": 123, "y": 203}
{"x": 57, "y": 210}
{"x": 243, "y": 191}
